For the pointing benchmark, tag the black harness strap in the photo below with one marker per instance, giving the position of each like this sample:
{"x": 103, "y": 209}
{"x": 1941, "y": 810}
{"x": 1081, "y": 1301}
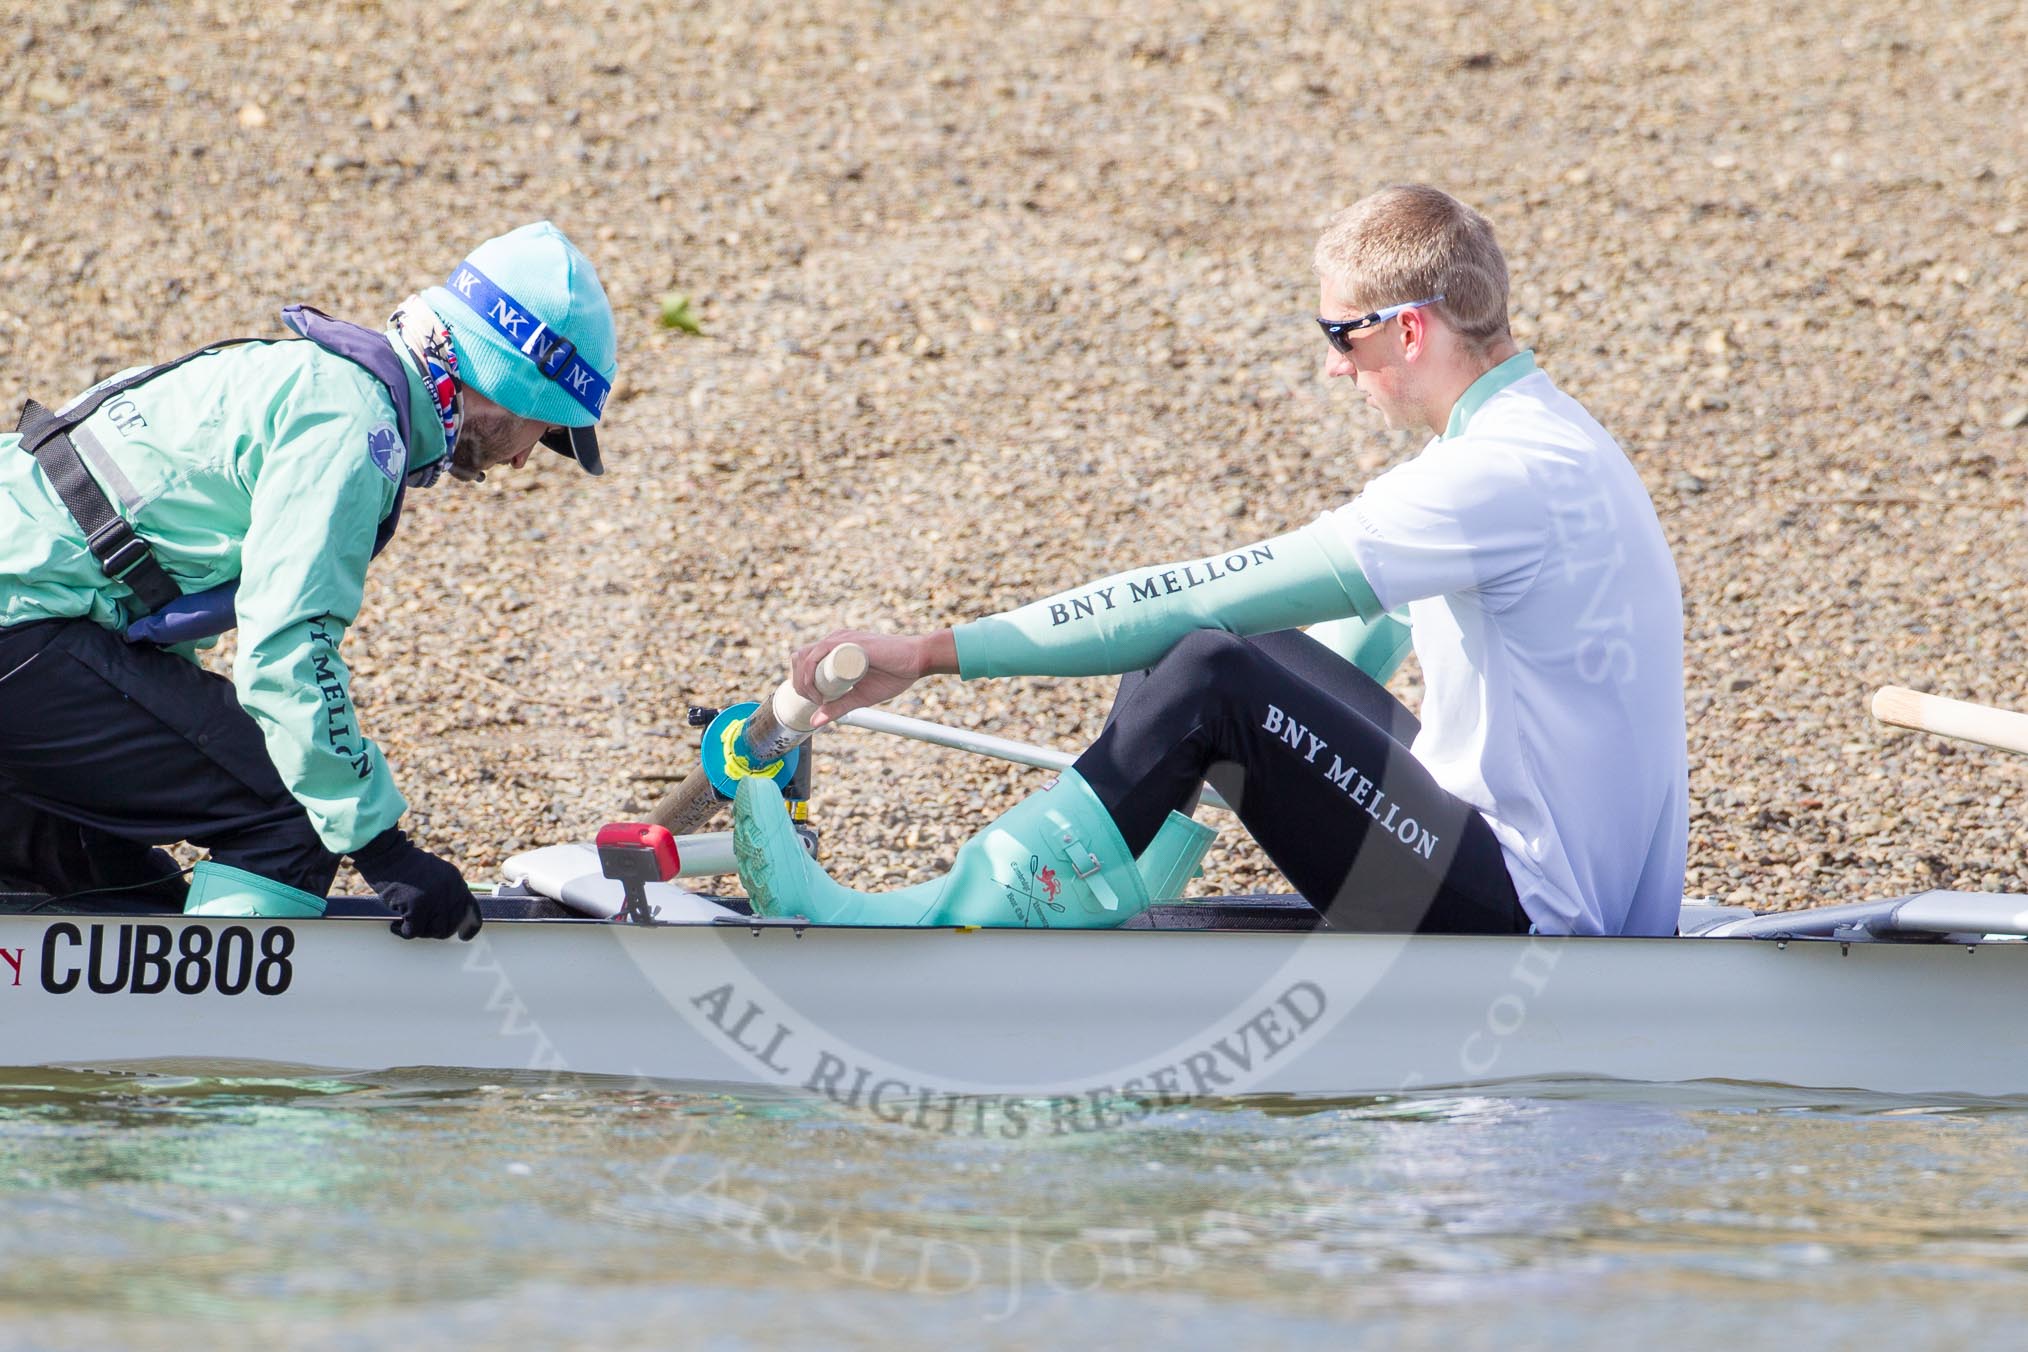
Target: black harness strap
{"x": 122, "y": 555}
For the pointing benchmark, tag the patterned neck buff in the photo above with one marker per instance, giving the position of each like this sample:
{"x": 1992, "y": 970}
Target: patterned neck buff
{"x": 429, "y": 343}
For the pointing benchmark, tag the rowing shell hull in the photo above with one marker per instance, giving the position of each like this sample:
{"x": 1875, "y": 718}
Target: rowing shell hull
{"x": 889, "y": 1020}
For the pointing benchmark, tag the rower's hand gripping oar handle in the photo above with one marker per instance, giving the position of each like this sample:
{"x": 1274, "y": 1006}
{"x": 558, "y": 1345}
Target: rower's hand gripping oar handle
{"x": 785, "y": 720}
{"x": 778, "y": 726}
{"x": 1998, "y": 728}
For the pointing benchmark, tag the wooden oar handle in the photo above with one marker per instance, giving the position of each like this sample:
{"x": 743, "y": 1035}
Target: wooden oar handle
{"x": 1998, "y": 728}
{"x": 780, "y": 724}
{"x": 783, "y": 721}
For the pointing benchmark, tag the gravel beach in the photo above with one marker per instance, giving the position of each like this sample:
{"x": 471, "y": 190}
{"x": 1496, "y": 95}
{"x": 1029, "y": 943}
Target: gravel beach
{"x": 995, "y": 299}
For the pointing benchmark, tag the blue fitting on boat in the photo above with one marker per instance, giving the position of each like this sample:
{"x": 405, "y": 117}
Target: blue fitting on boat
{"x": 725, "y": 762}
{"x": 221, "y": 889}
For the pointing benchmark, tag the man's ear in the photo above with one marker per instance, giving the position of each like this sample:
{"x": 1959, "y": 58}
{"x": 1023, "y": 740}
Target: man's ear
{"x": 1415, "y": 335}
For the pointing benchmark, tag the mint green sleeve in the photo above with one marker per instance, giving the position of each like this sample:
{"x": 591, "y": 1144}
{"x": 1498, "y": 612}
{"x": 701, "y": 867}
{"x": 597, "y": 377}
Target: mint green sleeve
{"x": 1375, "y": 646}
{"x": 1127, "y": 621}
{"x": 317, "y": 499}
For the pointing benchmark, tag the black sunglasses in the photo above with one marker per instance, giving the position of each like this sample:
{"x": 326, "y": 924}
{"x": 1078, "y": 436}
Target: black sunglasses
{"x": 1339, "y": 332}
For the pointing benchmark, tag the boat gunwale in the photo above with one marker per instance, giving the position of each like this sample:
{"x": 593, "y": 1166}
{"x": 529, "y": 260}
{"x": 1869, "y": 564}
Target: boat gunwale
{"x": 1269, "y": 914}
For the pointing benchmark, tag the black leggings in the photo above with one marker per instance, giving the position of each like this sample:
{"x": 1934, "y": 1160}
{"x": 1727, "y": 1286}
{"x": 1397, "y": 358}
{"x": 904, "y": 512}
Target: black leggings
{"x": 109, "y": 748}
{"x": 1313, "y": 755}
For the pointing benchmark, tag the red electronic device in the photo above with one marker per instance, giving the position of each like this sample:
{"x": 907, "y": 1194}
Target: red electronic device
{"x": 635, "y": 854}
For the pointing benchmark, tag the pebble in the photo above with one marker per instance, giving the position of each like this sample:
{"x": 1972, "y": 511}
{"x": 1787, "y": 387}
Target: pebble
{"x": 1025, "y": 303}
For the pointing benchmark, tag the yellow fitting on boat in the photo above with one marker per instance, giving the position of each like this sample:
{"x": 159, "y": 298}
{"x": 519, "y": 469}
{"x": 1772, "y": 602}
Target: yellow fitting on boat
{"x": 737, "y": 766}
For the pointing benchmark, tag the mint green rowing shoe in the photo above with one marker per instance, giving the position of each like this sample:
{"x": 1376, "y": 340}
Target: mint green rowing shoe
{"x": 782, "y": 880}
{"x": 1054, "y": 860}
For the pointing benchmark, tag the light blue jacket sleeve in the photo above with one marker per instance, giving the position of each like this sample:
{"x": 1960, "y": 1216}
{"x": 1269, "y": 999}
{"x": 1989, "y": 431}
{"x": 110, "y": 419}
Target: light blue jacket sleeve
{"x": 1127, "y": 621}
{"x": 318, "y": 497}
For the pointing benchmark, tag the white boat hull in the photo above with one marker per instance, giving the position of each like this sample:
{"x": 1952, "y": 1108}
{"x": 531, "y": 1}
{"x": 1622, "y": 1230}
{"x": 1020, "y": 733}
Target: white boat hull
{"x": 897, "y": 1021}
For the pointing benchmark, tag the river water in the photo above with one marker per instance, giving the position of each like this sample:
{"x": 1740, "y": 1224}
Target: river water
{"x": 148, "y": 1209}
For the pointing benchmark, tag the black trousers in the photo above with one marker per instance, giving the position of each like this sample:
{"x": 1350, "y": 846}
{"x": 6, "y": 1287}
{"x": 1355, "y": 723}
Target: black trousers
{"x": 108, "y": 749}
{"x": 1313, "y": 755}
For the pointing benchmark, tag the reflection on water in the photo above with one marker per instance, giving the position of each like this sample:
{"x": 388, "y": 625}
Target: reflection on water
{"x": 135, "y": 1206}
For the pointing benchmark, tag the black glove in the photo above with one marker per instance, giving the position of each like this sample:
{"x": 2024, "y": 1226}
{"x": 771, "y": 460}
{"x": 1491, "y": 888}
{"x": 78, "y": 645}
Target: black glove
{"x": 427, "y": 895}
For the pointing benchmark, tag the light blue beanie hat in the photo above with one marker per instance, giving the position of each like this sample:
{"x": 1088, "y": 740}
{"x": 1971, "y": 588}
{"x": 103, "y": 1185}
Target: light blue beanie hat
{"x": 534, "y": 332}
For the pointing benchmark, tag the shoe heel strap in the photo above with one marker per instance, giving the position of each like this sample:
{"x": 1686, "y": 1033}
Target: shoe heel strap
{"x": 1084, "y": 863}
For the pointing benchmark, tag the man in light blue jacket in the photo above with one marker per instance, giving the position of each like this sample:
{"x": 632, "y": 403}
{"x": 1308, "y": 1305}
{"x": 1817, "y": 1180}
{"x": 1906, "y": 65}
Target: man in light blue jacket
{"x": 250, "y": 484}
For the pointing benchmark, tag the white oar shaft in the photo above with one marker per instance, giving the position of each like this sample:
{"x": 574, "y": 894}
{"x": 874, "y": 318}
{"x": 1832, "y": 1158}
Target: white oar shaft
{"x": 2000, "y": 729}
{"x": 981, "y": 743}
{"x": 959, "y": 739}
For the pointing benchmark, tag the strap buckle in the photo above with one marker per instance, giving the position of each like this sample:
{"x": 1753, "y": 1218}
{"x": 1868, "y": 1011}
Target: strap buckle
{"x": 1072, "y": 848}
{"x": 552, "y": 360}
{"x": 1084, "y": 864}
{"x": 116, "y": 547}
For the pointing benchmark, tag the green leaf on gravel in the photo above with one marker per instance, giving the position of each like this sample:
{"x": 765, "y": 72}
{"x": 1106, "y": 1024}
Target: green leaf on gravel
{"x": 676, "y": 313}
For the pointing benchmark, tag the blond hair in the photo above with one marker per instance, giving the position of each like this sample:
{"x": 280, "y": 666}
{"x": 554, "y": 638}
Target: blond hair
{"x": 1411, "y": 241}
